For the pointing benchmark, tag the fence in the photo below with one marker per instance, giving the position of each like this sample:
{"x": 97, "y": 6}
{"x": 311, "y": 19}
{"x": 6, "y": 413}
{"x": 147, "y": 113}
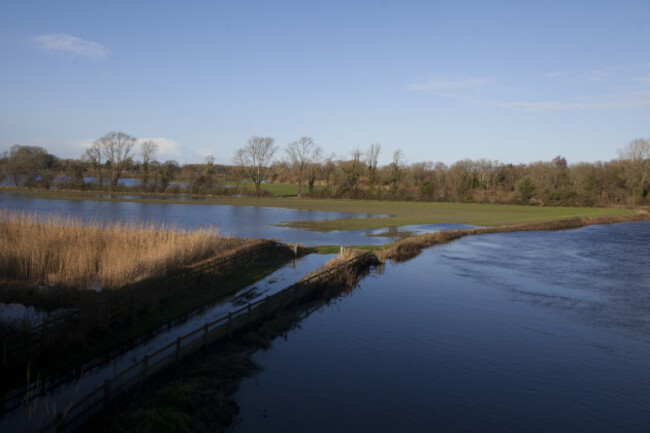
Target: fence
{"x": 111, "y": 309}
{"x": 171, "y": 355}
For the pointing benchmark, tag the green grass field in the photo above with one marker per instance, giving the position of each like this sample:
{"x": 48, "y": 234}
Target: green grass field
{"x": 277, "y": 189}
{"x": 396, "y": 213}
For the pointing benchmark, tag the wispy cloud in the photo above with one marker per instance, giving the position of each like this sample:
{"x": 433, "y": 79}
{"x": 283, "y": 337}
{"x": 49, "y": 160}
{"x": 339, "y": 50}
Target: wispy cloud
{"x": 614, "y": 92}
{"x": 72, "y": 45}
{"x": 639, "y": 99}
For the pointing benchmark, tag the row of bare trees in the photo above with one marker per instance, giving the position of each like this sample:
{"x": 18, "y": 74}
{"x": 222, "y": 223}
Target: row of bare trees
{"x": 625, "y": 180}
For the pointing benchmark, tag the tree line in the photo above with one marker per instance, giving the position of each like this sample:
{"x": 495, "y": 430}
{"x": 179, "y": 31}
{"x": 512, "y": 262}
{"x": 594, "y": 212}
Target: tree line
{"x": 621, "y": 181}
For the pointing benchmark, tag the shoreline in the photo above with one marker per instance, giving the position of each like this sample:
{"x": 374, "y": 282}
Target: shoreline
{"x": 381, "y": 214}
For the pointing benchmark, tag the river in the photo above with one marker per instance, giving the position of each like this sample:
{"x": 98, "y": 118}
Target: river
{"x": 532, "y": 331}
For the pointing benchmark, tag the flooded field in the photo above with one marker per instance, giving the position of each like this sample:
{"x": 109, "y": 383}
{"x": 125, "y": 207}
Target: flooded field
{"x": 240, "y": 221}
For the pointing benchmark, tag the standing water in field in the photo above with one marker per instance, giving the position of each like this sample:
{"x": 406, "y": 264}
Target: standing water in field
{"x": 240, "y": 221}
{"x": 531, "y": 331}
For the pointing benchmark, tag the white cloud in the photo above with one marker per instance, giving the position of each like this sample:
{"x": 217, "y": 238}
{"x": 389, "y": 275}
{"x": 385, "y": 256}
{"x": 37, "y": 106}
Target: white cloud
{"x": 71, "y": 44}
{"x": 203, "y": 152}
{"x": 167, "y": 148}
{"x": 82, "y": 145}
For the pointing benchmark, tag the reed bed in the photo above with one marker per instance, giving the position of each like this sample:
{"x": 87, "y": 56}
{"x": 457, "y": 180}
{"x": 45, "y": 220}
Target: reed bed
{"x": 65, "y": 251}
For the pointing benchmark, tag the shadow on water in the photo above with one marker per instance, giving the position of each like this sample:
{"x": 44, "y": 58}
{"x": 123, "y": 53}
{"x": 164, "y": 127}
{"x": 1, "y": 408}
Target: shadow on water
{"x": 95, "y": 373}
{"x": 212, "y": 380}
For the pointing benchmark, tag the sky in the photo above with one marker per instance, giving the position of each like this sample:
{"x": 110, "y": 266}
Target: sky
{"x": 516, "y": 82}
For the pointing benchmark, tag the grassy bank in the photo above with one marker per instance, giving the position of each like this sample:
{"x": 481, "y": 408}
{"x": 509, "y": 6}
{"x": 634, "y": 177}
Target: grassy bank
{"x": 410, "y": 247}
{"x": 398, "y": 213}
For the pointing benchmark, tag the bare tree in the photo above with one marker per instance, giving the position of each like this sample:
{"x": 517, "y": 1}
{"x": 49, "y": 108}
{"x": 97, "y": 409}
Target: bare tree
{"x": 371, "y": 160}
{"x": 396, "y": 168}
{"x": 148, "y": 149}
{"x": 116, "y": 149}
{"x": 315, "y": 168}
{"x": 255, "y": 159}
{"x": 303, "y": 154}
{"x": 637, "y": 152}
{"x": 93, "y": 157}
{"x": 352, "y": 172}
{"x": 421, "y": 172}
{"x": 328, "y": 168}
{"x": 560, "y": 162}
{"x": 166, "y": 173}
{"x": 485, "y": 169}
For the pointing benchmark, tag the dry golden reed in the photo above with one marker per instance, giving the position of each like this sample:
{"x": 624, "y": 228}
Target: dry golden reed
{"x": 65, "y": 251}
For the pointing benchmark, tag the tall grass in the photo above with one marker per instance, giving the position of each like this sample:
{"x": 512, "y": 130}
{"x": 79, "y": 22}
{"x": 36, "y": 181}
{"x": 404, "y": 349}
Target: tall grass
{"x": 65, "y": 251}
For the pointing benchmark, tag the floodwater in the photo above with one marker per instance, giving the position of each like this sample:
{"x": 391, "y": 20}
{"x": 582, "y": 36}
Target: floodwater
{"x": 531, "y": 331}
{"x": 60, "y": 396}
{"x": 240, "y": 221}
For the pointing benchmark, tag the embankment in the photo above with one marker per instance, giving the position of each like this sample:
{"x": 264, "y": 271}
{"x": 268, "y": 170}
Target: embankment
{"x": 234, "y": 336}
{"x": 92, "y": 323}
{"x": 410, "y": 247}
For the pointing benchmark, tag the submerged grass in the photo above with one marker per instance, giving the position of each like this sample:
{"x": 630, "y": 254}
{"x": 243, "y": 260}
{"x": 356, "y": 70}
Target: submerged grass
{"x": 396, "y": 213}
{"x": 66, "y": 252}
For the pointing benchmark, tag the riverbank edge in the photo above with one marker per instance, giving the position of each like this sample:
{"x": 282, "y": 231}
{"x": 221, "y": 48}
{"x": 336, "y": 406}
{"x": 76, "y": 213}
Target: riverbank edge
{"x": 194, "y": 287}
{"x": 224, "y": 365}
{"x": 408, "y": 248}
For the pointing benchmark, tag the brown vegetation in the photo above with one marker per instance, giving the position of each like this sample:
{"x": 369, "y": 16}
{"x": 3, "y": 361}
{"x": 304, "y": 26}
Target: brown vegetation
{"x": 556, "y": 182}
{"x": 213, "y": 379}
{"x": 64, "y": 251}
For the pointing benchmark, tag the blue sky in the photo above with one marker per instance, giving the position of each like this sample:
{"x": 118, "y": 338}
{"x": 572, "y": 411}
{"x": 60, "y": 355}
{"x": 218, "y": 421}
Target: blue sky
{"x": 517, "y": 81}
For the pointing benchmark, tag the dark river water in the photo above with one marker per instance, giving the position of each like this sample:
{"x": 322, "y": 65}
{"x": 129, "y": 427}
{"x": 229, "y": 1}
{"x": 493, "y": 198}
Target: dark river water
{"x": 517, "y": 332}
